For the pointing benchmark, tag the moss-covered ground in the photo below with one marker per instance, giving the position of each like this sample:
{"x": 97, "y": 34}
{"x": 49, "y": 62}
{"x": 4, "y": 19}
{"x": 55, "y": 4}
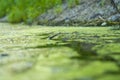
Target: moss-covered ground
{"x": 76, "y": 53}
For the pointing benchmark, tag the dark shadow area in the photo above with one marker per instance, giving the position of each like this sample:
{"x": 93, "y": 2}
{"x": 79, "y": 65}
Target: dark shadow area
{"x": 107, "y": 73}
{"x": 4, "y": 55}
{"x": 48, "y": 46}
{"x": 84, "y": 49}
{"x": 112, "y": 72}
{"x": 44, "y": 34}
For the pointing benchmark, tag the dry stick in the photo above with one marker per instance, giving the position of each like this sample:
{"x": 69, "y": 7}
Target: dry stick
{"x": 101, "y": 18}
{"x": 51, "y": 37}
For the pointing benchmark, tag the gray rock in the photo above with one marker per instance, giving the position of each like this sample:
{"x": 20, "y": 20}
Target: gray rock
{"x": 4, "y": 55}
{"x": 115, "y": 17}
{"x": 104, "y": 24}
{"x": 4, "y": 19}
{"x": 21, "y": 66}
{"x": 87, "y": 10}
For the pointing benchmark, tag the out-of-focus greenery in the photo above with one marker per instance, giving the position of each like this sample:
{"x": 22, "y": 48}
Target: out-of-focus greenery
{"x": 5, "y": 7}
{"x": 80, "y": 53}
{"x": 28, "y": 10}
{"x": 25, "y": 10}
{"x": 72, "y": 3}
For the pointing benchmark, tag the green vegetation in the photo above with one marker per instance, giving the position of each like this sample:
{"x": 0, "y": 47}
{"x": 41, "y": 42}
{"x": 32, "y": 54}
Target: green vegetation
{"x": 76, "y": 53}
{"x": 58, "y": 53}
{"x": 58, "y": 9}
{"x": 27, "y": 10}
{"x": 102, "y": 3}
{"x": 72, "y": 3}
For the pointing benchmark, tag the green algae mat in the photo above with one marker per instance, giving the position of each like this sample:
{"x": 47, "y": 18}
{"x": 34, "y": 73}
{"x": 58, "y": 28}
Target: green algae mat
{"x": 59, "y": 53}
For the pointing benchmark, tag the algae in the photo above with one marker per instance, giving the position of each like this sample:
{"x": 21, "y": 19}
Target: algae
{"x": 84, "y": 53}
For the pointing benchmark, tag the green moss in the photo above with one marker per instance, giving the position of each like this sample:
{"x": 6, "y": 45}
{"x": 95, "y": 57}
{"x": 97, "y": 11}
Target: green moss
{"x": 25, "y": 10}
{"x": 72, "y": 3}
{"x": 58, "y": 9}
{"x": 33, "y": 56}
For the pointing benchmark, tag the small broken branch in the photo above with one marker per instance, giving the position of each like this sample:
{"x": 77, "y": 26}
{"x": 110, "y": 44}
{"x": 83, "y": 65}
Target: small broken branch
{"x": 51, "y": 37}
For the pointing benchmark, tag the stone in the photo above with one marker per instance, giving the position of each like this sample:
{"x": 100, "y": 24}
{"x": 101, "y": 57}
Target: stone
{"x": 104, "y": 24}
{"x": 4, "y": 54}
{"x": 115, "y": 17}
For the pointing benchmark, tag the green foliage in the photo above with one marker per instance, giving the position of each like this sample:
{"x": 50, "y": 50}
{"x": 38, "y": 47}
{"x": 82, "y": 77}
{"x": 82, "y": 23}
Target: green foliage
{"x": 58, "y": 9}
{"x": 16, "y": 15}
{"x": 102, "y": 3}
{"x": 72, "y": 3}
{"x": 25, "y": 10}
{"x": 5, "y": 7}
{"x": 32, "y": 56}
{"x": 117, "y": 27}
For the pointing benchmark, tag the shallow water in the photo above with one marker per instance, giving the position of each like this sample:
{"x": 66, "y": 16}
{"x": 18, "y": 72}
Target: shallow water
{"x": 84, "y": 53}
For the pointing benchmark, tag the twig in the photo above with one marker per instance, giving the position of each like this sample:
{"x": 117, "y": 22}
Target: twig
{"x": 51, "y": 37}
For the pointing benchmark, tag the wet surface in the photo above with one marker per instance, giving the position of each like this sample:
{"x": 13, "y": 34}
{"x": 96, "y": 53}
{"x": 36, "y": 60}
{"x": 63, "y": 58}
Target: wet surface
{"x": 76, "y": 54}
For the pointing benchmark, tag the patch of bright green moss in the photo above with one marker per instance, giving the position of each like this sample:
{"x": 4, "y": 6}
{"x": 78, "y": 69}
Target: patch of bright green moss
{"x": 33, "y": 56}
